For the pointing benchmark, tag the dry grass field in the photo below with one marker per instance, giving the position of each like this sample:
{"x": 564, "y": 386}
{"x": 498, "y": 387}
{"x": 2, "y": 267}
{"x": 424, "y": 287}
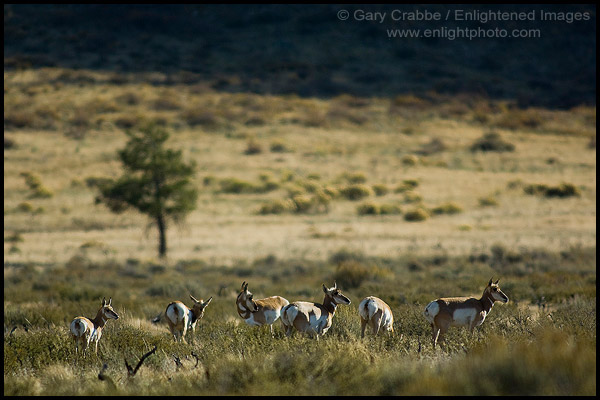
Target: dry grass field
{"x": 295, "y": 192}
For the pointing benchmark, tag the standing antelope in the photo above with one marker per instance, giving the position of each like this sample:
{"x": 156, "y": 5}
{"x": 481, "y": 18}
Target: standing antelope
{"x": 84, "y": 330}
{"x": 461, "y": 311}
{"x": 377, "y": 314}
{"x": 313, "y": 318}
{"x": 259, "y": 312}
{"x": 180, "y": 318}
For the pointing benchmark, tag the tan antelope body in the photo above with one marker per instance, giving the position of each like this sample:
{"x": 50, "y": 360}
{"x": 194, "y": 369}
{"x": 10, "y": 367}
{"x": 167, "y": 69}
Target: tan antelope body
{"x": 259, "y": 312}
{"x": 461, "y": 311}
{"x": 377, "y": 314}
{"x": 313, "y": 318}
{"x": 84, "y": 330}
{"x": 180, "y": 318}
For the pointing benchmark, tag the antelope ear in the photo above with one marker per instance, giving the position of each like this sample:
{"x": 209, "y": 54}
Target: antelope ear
{"x": 103, "y": 301}
{"x": 498, "y": 280}
{"x": 110, "y": 301}
{"x": 325, "y": 288}
{"x": 194, "y": 299}
{"x": 207, "y": 302}
{"x": 490, "y": 282}
{"x": 334, "y": 284}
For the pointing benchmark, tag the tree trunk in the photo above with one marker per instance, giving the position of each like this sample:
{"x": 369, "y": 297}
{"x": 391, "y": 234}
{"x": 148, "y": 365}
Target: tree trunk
{"x": 162, "y": 236}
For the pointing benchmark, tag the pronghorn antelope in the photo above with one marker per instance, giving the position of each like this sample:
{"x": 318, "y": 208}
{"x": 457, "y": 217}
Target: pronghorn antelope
{"x": 84, "y": 330}
{"x": 377, "y": 314}
{"x": 313, "y": 318}
{"x": 259, "y": 312}
{"x": 461, "y": 311}
{"x": 180, "y": 318}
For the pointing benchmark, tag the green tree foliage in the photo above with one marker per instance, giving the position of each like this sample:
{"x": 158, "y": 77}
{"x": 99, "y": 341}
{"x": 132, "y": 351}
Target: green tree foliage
{"x": 156, "y": 181}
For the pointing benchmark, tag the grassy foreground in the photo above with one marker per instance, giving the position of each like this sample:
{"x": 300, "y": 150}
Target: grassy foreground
{"x": 533, "y": 345}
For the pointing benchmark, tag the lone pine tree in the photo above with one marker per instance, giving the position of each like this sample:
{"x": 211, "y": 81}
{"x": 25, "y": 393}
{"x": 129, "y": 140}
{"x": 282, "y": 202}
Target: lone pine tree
{"x": 156, "y": 181}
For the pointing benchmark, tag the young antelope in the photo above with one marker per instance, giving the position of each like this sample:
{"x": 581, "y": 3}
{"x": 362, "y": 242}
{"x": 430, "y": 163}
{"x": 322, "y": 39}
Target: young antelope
{"x": 377, "y": 314}
{"x": 84, "y": 330}
{"x": 181, "y": 319}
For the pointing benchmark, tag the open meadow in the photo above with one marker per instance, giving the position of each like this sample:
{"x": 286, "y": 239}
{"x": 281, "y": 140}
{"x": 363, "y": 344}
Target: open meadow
{"x": 387, "y": 197}
{"x": 323, "y": 151}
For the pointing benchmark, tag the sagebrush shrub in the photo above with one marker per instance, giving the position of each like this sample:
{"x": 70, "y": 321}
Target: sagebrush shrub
{"x": 492, "y": 141}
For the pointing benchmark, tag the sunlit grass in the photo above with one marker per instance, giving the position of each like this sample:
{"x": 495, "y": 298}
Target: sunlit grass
{"x": 286, "y": 218}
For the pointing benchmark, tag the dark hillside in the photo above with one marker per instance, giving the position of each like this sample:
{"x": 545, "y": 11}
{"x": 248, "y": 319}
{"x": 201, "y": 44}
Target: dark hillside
{"x": 308, "y": 50}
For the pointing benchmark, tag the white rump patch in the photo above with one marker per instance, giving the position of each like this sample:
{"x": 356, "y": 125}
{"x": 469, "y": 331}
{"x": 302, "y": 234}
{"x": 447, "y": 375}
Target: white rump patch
{"x": 181, "y": 313}
{"x": 78, "y": 327}
{"x": 370, "y": 309}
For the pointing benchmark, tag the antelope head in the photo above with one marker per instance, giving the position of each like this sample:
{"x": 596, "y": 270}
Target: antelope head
{"x": 245, "y": 298}
{"x": 494, "y": 291}
{"x": 199, "y": 307}
{"x": 335, "y": 295}
{"x": 107, "y": 309}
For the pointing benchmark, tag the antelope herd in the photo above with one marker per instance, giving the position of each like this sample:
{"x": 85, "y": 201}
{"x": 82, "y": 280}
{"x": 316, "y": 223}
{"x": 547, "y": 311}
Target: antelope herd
{"x": 313, "y": 319}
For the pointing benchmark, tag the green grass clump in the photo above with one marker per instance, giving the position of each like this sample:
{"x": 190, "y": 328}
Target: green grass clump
{"x": 9, "y": 143}
{"x": 368, "y": 208}
{"x": 372, "y": 208}
{"x": 303, "y": 203}
{"x": 253, "y": 147}
{"x": 236, "y": 185}
{"x": 416, "y": 215}
{"x": 268, "y": 183}
{"x": 25, "y": 207}
{"x": 277, "y": 206}
{"x": 410, "y": 160}
{"x": 487, "y": 201}
{"x": 412, "y": 197}
{"x": 492, "y": 141}
{"x": 447, "y": 208}
{"x": 407, "y": 184}
{"x": 380, "y": 189}
{"x": 355, "y": 177}
{"x": 562, "y": 190}
{"x": 15, "y": 237}
{"x": 35, "y": 185}
{"x": 389, "y": 209}
{"x": 356, "y": 191}
{"x": 331, "y": 191}
{"x": 351, "y": 274}
{"x": 278, "y": 146}
{"x": 310, "y": 185}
